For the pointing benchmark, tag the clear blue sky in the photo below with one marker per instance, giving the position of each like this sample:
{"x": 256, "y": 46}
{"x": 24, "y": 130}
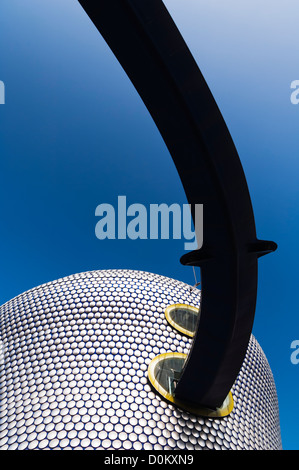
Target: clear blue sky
{"x": 75, "y": 134}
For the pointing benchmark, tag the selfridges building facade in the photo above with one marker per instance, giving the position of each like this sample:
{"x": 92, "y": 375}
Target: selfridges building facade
{"x": 75, "y": 371}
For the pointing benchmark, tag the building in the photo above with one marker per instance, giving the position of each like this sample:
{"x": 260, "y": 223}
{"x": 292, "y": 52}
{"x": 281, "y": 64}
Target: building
{"x": 75, "y": 374}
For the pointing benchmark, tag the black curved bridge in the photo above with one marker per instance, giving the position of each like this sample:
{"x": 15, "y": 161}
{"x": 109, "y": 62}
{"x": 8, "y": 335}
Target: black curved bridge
{"x": 149, "y": 47}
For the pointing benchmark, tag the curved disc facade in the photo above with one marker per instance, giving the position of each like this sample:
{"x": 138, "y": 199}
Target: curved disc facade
{"x": 74, "y": 374}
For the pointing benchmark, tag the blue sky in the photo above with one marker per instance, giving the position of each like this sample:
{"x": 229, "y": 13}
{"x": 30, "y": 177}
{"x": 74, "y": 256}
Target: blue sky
{"x": 75, "y": 134}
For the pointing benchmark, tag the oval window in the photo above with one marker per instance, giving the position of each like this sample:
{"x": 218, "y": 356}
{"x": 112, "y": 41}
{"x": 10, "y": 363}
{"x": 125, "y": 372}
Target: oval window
{"x": 164, "y": 372}
{"x": 183, "y": 318}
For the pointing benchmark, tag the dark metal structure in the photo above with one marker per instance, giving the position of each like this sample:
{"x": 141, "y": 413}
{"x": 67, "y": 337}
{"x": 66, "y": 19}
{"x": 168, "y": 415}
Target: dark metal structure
{"x": 152, "y": 52}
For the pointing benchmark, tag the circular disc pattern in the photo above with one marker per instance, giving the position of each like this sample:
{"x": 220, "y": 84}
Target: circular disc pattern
{"x": 74, "y": 371}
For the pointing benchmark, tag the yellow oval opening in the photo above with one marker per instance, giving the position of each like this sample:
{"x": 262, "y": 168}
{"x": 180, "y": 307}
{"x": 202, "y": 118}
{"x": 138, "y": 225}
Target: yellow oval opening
{"x": 164, "y": 372}
{"x": 183, "y": 318}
